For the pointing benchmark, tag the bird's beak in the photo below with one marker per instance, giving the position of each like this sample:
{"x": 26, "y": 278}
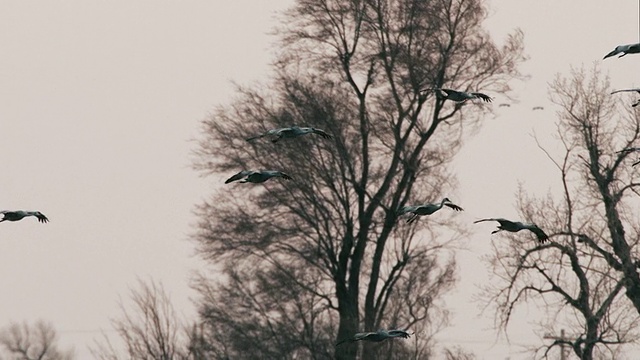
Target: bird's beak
{"x": 610, "y": 54}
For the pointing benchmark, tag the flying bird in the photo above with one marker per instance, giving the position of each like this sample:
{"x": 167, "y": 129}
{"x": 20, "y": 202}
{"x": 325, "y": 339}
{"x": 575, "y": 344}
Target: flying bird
{"x": 626, "y": 90}
{"x": 458, "y": 96}
{"x": 624, "y": 50}
{"x": 515, "y": 226}
{"x": 290, "y": 132}
{"x": 377, "y": 336}
{"x": 426, "y": 209}
{"x": 257, "y": 176}
{"x": 504, "y": 105}
{"x": 537, "y": 108}
{"x": 19, "y": 215}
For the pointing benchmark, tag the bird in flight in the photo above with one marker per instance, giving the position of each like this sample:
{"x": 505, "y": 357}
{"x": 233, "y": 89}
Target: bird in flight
{"x": 624, "y": 50}
{"x": 626, "y": 90}
{"x": 504, "y": 105}
{"x": 257, "y": 176}
{"x": 377, "y": 336}
{"x": 290, "y": 132}
{"x": 515, "y": 226}
{"x": 458, "y": 96}
{"x": 19, "y": 215}
{"x": 537, "y": 108}
{"x": 426, "y": 209}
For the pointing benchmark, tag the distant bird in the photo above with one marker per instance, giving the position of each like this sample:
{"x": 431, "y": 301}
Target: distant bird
{"x": 19, "y": 215}
{"x": 377, "y": 336}
{"x": 290, "y": 132}
{"x": 458, "y": 96}
{"x": 515, "y": 226}
{"x": 537, "y": 108}
{"x": 504, "y": 105}
{"x": 426, "y": 209}
{"x": 624, "y": 90}
{"x": 257, "y": 176}
{"x": 624, "y": 50}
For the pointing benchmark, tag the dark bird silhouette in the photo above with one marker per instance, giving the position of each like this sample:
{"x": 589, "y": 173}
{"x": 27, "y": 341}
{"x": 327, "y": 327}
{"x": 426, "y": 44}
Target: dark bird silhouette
{"x": 257, "y": 176}
{"x": 504, "y": 105}
{"x": 290, "y": 132}
{"x": 627, "y": 90}
{"x": 19, "y": 215}
{"x": 515, "y": 226}
{"x": 458, "y": 96}
{"x": 624, "y": 50}
{"x": 537, "y": 108}
{"x": 426, "y": 209}
{"x": 377, "y": 336}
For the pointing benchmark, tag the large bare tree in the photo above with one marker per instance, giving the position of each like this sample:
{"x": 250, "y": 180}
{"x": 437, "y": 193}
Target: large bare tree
{"x": 324, "y": 256}
{"x": 586, "y": 276}
{"x": 31, "y": 342}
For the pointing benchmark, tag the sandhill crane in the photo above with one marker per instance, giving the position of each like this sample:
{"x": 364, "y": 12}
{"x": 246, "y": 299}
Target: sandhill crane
{"x": 624, "y": 50}
{"x": 377, "y": 336}
{"x": 426, "y": 209}
{"x": 515, "y": 226}
{"x": 257, "y": 176}
{"x": 537, "y": 108}
{"x": 290, "y": 132}
{"x": 19, "y": 215}
{"x": 458, "y": 96}
{"x": 626, "y": 90}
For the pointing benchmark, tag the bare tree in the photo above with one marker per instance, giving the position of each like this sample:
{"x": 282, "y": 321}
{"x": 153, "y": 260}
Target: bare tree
{"x": 31, "y": 342}
{"x": 585, "y": 277}
{"x": 323, "y": 256}
{"x": 150, "y": 329}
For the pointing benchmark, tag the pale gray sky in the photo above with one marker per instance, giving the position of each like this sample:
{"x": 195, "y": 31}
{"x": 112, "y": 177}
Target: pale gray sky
{"x": 98, "y": 102}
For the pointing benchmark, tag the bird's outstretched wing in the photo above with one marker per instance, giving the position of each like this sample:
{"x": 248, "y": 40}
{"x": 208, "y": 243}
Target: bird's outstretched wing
{"x": 454, "y": 206}
{"x": 238, "y": 176}
{"x": 489, "y": 219}
{"x": 256, "y": 137}
{"x": 284, "y": 176}
{"x": 542, "y": 237}
{"x": 41, "y": 217}
{"x": 356, "y": 337}
{"x": 483, "y": 97}
{"x": 322, "y": 133}
{"x": 612, "y": 53}
{"x": 626, "y": 90}
{"x": 266, "y": 133}
{"x": 399, "y": 333}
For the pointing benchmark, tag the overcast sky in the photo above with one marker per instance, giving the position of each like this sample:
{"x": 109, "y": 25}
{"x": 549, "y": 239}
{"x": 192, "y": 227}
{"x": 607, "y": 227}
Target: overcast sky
{"x": 99, "y": 102}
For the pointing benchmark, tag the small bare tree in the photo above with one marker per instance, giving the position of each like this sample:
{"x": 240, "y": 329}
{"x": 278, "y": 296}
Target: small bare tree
{"x": 31, "y": 342}
{"x": 150, "y": 329}
{"x": 586, "y": 276}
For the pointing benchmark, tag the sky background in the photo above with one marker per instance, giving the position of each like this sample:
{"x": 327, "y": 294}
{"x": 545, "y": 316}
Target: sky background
{"x": 99, "y": 106}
